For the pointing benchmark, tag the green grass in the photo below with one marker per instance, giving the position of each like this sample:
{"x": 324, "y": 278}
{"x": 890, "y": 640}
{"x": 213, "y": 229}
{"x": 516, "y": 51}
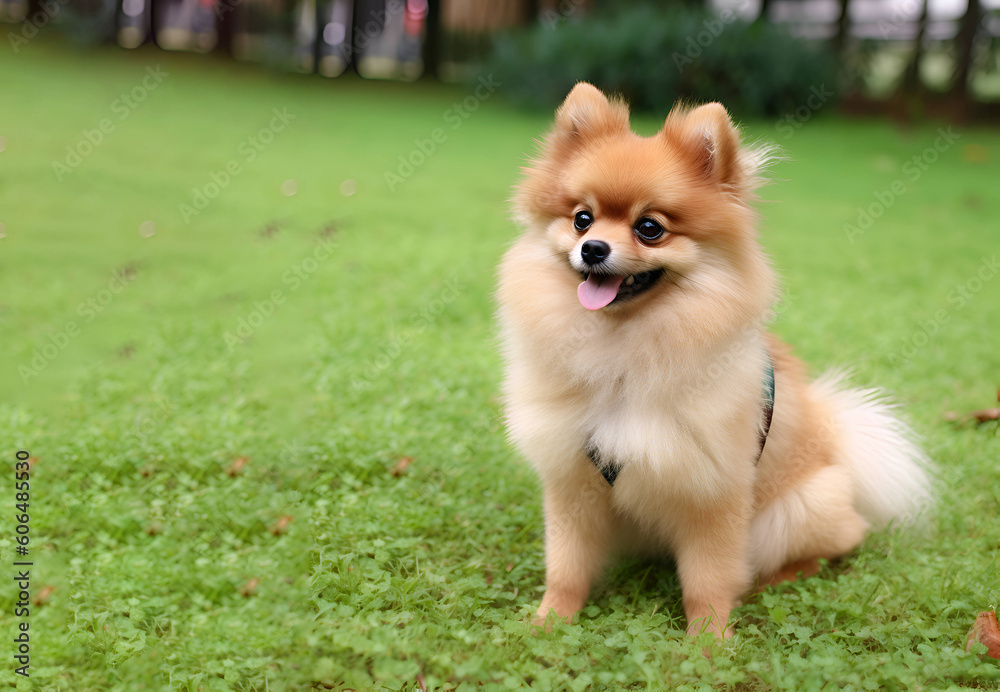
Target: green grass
{"x": 386, "y": 349}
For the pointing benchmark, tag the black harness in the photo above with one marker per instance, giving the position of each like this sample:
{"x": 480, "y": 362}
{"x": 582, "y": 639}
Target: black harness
{"x": 610, "y": 471}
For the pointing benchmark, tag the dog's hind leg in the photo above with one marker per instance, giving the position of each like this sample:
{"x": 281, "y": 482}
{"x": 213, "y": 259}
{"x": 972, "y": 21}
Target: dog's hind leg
{"x": 813, "y": 520}
{"x": 791, "y": 572}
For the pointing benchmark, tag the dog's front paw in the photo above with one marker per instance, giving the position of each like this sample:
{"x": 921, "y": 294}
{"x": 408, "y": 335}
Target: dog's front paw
{"x": 713, "y": 624}
{"x": 544, "y": 618}
{"x": 561, "y": 606}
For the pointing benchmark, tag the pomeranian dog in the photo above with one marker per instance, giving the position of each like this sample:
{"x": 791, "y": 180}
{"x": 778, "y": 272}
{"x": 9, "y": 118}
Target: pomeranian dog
{"x": 641, "y": 384}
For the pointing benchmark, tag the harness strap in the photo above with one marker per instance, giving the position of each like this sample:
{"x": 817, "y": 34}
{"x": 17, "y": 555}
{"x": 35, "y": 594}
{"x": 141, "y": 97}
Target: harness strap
{"x": 768, "y": 407}
{"x": 609, "y": 471}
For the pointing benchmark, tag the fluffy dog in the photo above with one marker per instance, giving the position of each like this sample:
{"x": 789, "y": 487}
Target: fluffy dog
{"x": 641, "y": 384}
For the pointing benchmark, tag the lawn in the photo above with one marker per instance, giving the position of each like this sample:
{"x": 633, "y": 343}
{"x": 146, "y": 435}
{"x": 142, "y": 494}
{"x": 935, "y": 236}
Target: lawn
{"x": 221, "y": 391}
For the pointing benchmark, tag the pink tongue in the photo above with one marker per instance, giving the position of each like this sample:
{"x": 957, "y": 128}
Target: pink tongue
{"x": 598, "y": 291}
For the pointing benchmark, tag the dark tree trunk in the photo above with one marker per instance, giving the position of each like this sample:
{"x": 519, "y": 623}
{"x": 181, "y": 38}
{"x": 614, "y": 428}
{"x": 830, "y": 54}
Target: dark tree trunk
{"x": 843, "y": 27}
{"x": 964, "y": 43}
{"x": 911, "y": 83}
{"x": 225, "y": 24}
{"x": 432, "y": 39}
{"x": 531, "y": 11}
{"x": 765, "y": 11}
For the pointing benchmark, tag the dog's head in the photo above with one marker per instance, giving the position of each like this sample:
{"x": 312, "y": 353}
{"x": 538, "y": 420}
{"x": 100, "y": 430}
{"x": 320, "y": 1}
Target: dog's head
{"x": 635, "y": 216}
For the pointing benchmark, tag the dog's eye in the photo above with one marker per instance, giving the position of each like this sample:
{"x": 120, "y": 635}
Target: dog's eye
{"x": 647, "y": 229}
{"x": 582, "y": 220}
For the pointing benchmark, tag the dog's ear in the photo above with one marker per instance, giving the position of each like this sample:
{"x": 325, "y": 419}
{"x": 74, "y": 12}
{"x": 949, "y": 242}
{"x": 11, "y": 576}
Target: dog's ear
{"x": 587, "y": 112}
{"x": 709, "y": 138}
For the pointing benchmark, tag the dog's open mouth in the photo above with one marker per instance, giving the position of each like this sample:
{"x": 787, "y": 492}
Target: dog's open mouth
{"x": 599, "y": 290}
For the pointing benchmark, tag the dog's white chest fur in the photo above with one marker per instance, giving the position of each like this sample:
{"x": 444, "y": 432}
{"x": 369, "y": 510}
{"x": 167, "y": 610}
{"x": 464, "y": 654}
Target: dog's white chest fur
{"x": 665, "y": 448}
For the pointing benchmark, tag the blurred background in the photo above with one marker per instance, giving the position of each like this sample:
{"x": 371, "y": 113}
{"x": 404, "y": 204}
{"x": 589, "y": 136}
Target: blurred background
{"x": 908, "y": 57}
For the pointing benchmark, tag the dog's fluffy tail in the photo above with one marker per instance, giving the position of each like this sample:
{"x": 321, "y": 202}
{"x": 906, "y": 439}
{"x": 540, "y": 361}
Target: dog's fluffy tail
{"x": 891, "y": 473}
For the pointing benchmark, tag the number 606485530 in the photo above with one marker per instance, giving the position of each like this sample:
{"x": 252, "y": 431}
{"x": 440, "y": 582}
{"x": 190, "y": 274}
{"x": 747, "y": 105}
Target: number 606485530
{"x": 22, "y": 495}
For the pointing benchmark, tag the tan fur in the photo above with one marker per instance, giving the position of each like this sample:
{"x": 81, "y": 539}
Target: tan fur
{"x": 666, "y": 385}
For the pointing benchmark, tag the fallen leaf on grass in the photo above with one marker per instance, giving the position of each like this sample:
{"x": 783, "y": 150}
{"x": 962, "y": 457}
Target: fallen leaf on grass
{"x": 420, "y": 681}
{"x": 281, "y": 526}
{"x": 250, "y": 588}
{"x": 975, "y": 153}
{"x": 400, "y": 468}
{"x": 31, "y": 463}
{"x": 979, "y": 417}
{"x": 154, "y": 529}
{"x": 986, "y": 631}
{"x": 236, "y": 468}
{"x": 44, "y": 594}
{"x": 270, "y": 230}
{"x": 128, "y": 271}
{"x": 986, "y": 414}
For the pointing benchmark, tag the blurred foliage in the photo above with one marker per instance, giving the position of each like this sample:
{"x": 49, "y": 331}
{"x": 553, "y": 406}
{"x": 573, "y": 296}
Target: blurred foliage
{"x": 84, "y": 22}
{"x": 655, "y": 55}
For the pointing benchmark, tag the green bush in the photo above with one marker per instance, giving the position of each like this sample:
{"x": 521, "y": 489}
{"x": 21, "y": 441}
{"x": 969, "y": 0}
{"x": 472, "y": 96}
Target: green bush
{"x": 84, "y": 22}
{"x": 656, "y": 55}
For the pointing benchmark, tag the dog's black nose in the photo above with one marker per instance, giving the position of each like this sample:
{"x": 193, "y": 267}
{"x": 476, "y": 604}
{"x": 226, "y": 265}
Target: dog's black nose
{"x": 594, "y": 252}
